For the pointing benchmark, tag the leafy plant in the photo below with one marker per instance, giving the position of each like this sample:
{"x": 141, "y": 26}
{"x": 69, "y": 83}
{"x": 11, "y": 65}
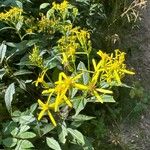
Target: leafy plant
{"x": 50, "y": 72}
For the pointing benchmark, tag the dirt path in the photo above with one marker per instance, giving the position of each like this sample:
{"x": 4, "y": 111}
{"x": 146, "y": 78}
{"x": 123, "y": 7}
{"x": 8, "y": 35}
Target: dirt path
{"x": 141, "y": 57}
{"x": 138, "y": 135}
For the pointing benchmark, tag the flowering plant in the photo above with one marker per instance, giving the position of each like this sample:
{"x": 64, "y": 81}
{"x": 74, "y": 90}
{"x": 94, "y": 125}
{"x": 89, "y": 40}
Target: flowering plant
{"x": 59, "y": 73}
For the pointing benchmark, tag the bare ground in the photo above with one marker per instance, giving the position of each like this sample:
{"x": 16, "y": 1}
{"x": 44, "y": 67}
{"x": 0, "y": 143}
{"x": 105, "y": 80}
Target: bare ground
{"x": 138, "y": 135}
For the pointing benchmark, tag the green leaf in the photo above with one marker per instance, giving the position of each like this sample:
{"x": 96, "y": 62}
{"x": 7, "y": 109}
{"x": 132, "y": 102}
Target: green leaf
{"x": 81, "y": 117}
{"x": 22, "y": 72}
{"x": 26, "y": 119}
{"x": 46, "y": 129}
{"x": 44, "y": 5}
{"x": 2, "y": 73}
{"x": 26, "y": 135}
{"x": 79, "y": 104}
{"x": 10, "y": 142}
{"x": 108, "y": 98}
{"x": 52, "y": 143}
{"x": 63, "y": 133}
{"x": 22, "y": 118}
{"x": 22, "y": 84}
{"x": 10, "y": 91}
{"x": 19, "y": 4}
{"x": 77, "y": 135}
{"x": 19, "y": 25}
{"x": 86, "y": 77}
{"x": 33, "y": 107}
{"x": 24, "y": 128}
{"x": 9, "y": 127}
{"x": 3, "y": 48}
{"x": 23, "y": 144}
{"x": 15, "y": 131}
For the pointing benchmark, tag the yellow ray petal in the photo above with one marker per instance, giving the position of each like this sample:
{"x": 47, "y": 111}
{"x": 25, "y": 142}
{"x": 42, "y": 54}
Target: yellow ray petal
{"x": 81, "y": 86}
{"x": 128, "y": 72}
{"x": 50, "y": 90}
{"x": 117, "y": 77}
{"x": 57, "y": 102}
{"x": 52, "y": 118}
{"x": 41, "y": 114}
{"x": 104, "y": 91}
{"x": 68, "y": 101}
{"x": 77, "y": 76}
{"x": 41, "y": 104}
{"x": 94, "y": 64}
{"x": 98, "y": 97}
{"x": 52, "y": 106}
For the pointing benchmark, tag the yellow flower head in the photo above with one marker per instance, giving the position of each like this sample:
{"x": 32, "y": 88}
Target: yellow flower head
{"x": 62, "y": 86}
{"x": 35, "y": 57}
{"x": 12, "y": 16}
{"x": 45, "y": 109}
{"x": 40, "y": 78}
{"x": 46, "y": 25}
{"x": 60, "y": 7}
{"x": 112, "y": 67}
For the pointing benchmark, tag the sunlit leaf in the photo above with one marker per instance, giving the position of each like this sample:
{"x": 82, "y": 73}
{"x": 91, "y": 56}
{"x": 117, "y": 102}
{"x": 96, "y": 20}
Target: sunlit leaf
{"x": 77, "y": 135}
{"x": 10, "y": 91}
{"x": 53, "y": 144}
{"x": 79, "y": 104}
{"x": 3, "y": 48}
{"x": 44, "y": 5}
{"x": 10, "y": 142}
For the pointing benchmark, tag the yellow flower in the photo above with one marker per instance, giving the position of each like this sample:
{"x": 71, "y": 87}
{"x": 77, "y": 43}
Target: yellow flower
{"x": 13, "y": 16}
{"x": 62, "y": 86}
{"x": 40, "y": 78}
{"x": 45, "y": 108}
{"x": 68, "y": 46}
{"x": 61, "y": 7}
{"x": 46, "y": 25}
{"x": 91, "y": 87}
{"x": 112, "y": 67}
{"x": 35, "y": 57}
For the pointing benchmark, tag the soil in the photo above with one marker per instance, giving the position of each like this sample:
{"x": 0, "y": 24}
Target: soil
{"x": 138, "y": 135}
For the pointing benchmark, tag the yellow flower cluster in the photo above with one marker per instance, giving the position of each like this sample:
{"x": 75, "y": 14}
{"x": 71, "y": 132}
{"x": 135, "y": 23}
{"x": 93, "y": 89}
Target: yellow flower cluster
{"x": 68, "y": 46}
{"x": 12, "y": 16}
{"x": 46, "y": 25}
{"x": 62, "y": 7}
{"x": 73, "y": 40}
{"x": 110, "y": 68}
{"x": 35, "y": 57}
{"x": 84, "y": 39}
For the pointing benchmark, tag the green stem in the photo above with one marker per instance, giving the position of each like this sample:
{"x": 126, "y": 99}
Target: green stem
{"x": 88, "y": 58}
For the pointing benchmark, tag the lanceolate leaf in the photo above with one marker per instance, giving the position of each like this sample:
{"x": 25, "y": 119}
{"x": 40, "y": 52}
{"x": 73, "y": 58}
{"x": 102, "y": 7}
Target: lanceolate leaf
{"x": 44, "y": 5}
{"x": 82, "y": 117}
{"x": 10, "y": 91}
{"x": 108, "y": 98}
{"x": 53, "y": 144}
{"x": 77, "y": 135}
{"x": 63, "y": 134}
{"x": 23, "y": 145}
{"x": 2, "y": 73}
{"x": 81, "y": 67}
{"x": 22, "y": 72}
{"x": 27, "y": 135}
{"x": 10, "y": 142}
{"x": 79, "y": 104}
{"x": 3, "y": 48}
